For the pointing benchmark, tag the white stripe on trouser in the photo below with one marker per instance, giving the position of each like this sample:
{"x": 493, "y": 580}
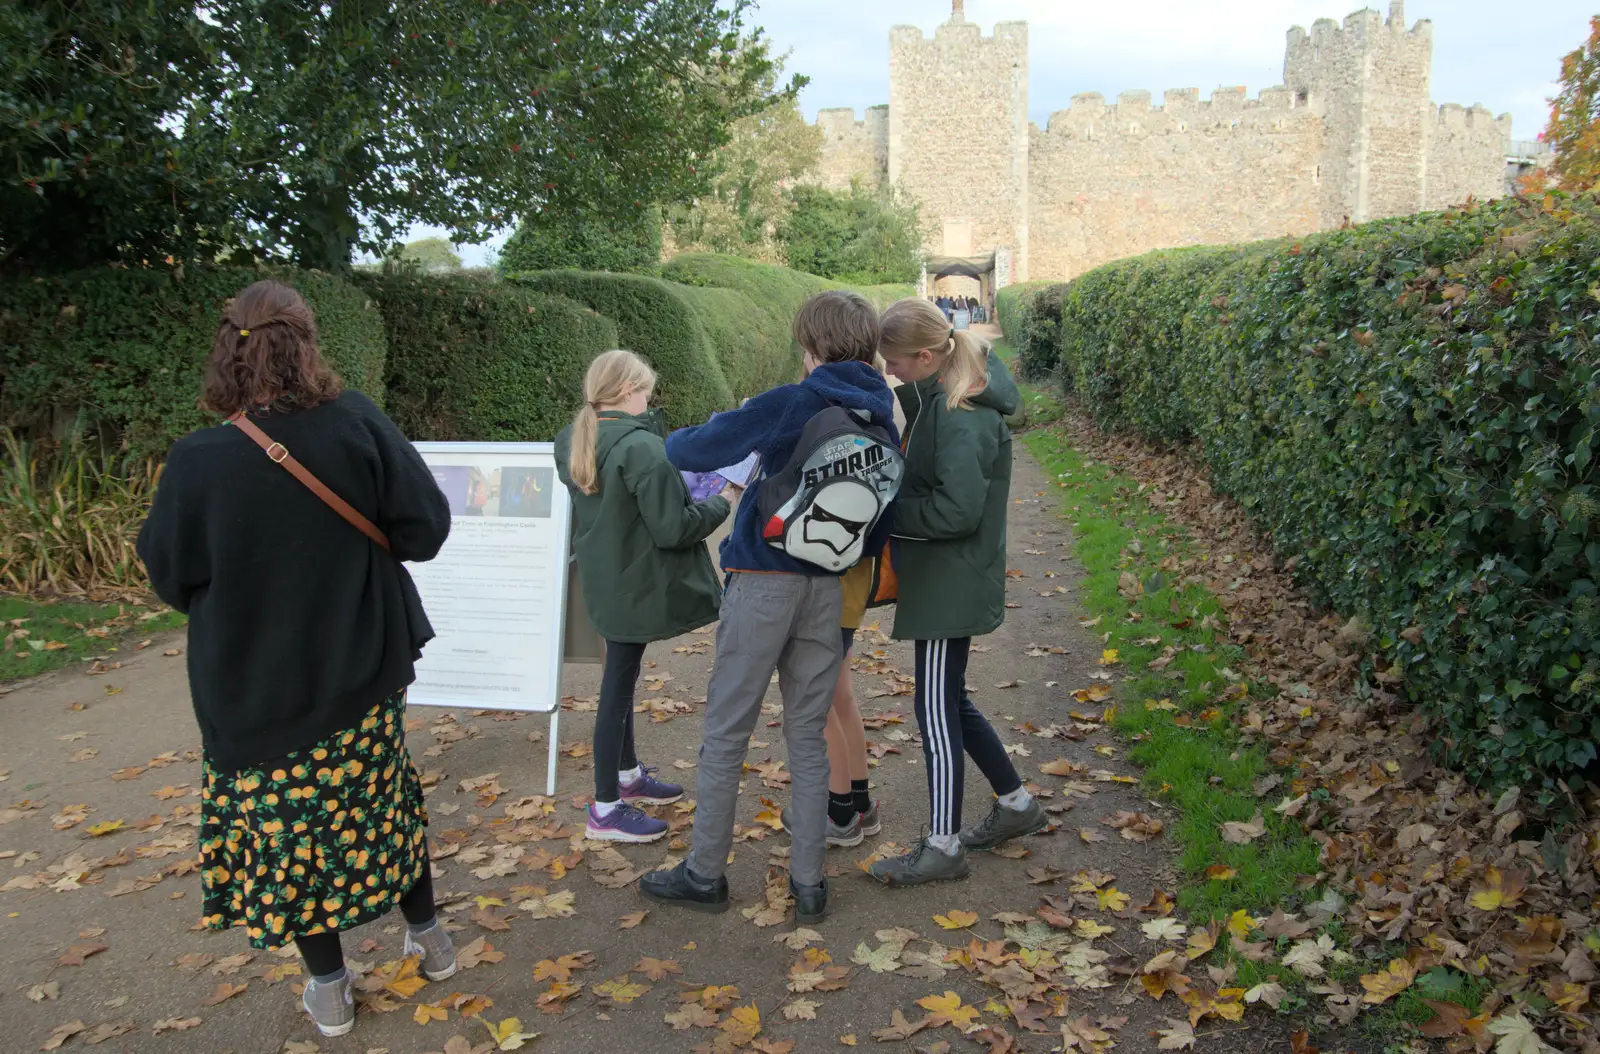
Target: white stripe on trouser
{"x": 940, "y": 754}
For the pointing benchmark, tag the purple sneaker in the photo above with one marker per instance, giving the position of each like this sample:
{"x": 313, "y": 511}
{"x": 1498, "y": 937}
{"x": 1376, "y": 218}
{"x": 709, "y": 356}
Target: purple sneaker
{"x": 647, "y": 790}
{"x": 627, "y": 823}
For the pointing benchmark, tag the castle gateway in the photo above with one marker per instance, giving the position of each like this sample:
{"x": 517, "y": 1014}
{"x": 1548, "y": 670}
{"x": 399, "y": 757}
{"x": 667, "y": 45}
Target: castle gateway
{"x": 1351, "y": 134}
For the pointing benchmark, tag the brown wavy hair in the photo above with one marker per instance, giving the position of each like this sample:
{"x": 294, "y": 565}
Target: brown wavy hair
{"x": 266, "y": 355}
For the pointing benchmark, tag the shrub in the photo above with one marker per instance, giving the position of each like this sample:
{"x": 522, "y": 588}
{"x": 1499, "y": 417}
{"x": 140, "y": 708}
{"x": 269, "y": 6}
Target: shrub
{"x": 864, "y": 235}
{"x": 547, "y": 241}
{"x": 121, "y": 352}
{"x": 655, "y": 319}
{"x": 1409, "y": 407}
{"x": 884, "y": 295}
{"x": 477, "y": 360}
{"x": 68, "y": 522}
{"x": 1030, "y": 317}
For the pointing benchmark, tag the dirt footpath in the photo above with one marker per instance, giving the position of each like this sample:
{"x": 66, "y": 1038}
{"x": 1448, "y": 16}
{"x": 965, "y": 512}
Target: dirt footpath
{"x": 97, "y": 823}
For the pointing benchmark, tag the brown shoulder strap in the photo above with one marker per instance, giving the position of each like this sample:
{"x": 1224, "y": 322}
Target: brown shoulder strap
{"x": 280, "y": 453}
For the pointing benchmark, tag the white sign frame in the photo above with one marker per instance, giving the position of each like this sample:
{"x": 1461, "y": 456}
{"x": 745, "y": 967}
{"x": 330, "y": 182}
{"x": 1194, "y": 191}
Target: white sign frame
{"x": 545, "y": 696}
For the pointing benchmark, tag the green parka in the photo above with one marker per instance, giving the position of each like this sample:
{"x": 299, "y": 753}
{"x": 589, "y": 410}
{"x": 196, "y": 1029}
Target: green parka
{"x": 640, "y": 541}
{"x": 950, "y": 520}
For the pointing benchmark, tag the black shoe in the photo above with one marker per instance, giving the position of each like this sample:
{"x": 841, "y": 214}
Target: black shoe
{"x": 810, "y": 902}
{"x": 683, "y": 887}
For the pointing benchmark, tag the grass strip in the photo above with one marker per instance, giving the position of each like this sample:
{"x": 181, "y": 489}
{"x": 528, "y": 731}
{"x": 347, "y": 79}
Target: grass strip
{"x": 46, "y": 634}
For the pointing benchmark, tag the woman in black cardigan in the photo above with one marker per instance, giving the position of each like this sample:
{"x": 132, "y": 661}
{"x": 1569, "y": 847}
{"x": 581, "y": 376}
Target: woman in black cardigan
{"x": 302, "y": 637}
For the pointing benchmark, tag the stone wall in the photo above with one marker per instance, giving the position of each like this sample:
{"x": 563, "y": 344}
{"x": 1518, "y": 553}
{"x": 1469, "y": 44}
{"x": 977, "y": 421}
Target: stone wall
{"x": 1111, "y": 181}
{"x": 853, "y": 149}
{"x": 958, "y": 133}
{"x": 1352, "y": 135}
{"x": 1459, "y": 141}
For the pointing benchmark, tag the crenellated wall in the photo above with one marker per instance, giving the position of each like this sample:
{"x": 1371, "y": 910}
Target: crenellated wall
{"x": 1115, "y": 180}
{"x": 1350, "y": 136}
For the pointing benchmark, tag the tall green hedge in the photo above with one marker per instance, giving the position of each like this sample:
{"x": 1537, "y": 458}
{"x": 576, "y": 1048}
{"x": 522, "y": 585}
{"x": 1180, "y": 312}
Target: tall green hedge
{"x": 472, "y": 359}
{"x": 1030, "y": 316}
{"x": 654, "y": 318}
{"x": 1410, "y": 407}
{"x": 121, "y": 352}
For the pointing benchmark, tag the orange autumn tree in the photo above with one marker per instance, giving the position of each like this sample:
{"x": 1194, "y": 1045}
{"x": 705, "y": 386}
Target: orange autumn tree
{"x": 1574, "y": 128}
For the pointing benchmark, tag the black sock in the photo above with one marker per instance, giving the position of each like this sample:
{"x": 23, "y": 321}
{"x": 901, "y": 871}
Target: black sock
{"x": 860, "y": 796}
{"x": 841, "y": 808}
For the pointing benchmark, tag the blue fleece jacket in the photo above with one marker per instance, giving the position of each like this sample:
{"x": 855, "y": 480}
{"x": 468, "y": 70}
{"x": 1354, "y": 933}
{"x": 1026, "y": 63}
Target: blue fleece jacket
{"x": 770, "y": 425}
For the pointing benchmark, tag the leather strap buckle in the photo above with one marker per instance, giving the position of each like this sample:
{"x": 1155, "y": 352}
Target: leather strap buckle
{"x": 278, "y": 453}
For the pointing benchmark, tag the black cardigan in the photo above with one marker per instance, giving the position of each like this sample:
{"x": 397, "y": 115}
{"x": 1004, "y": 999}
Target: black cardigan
{"x": 298, "y": 624}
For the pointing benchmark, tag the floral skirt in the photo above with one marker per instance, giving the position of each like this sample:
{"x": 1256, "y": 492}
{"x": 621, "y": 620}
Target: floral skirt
{"x": 322, "y": 840}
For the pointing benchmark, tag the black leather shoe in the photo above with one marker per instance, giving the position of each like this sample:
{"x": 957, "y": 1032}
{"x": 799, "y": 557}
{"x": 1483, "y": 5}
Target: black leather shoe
{"x": 810, "y": 902}
{"x": 683, "y": 887}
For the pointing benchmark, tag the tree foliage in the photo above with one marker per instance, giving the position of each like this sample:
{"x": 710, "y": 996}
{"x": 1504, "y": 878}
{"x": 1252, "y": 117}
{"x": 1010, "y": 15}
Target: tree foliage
{"x": 1574, "y": 129}
{"x": 749, "y": 200}
{"x": 432, "y": 254}
{"x": 552, "y": 239}
{"x": 864, "y": 235}
{"x": 311, "y": 129}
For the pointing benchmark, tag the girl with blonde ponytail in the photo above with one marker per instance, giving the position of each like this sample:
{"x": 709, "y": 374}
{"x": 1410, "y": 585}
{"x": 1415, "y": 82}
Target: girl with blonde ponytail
{"x": 949, "y": 555}
{"x": 646, "y": 573}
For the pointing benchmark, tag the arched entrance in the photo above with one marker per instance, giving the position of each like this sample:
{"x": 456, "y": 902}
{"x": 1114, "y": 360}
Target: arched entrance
{"x": 972, "y": 276}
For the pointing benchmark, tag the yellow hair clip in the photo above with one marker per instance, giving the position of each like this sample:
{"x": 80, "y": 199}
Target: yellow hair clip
{"x": 244, "y": 333}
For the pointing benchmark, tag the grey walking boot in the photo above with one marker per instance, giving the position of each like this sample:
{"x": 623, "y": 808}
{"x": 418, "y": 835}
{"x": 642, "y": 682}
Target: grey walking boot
{"x": 923, "y": 864}
{"x": 438, "y": 951}
{"x": 845, "y": 837}
{"x": 331, "y": 1005}
{"x": 870, "y": 823}
{"x": 1003, "y": 824}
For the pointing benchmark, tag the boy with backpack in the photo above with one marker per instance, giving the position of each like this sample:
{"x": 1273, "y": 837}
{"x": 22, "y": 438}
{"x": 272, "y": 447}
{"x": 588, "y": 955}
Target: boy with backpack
{"x": 829, "y": 467}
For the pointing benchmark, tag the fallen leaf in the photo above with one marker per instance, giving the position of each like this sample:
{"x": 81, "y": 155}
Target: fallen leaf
{"x": 1244, "y": 833}
{"x": 478, "y": 952}
{"x": 1516, "y": 1036}
{"x": 75, "y": 955}
{"x": 1270, "y": 993}
{"x": 428, "y": 1012}
{"x": 1180, "y": 1036}
{"x": 620, "y": 989}
{"x": 223, "y": 992}
{"x": 174, "y": 1024}
{"x": 956, "y": 920}
{"x": 630, "y": 920}
{"x": 1500, "y": 889}
{"x": 658, "y": 969}
{"x": 1164, "y": 930}
{"x": 800, "y": 1010}
{"x": 47, "y": 990}
{"x": 1388, "y": 982}
{"x": 899, "y": 1028}
{"x": 61, "y": 1033}
{"x": 1220, "y": 872}
{"x": 508, "y": 1034}
{"x": 948, "y": 1009}
{"x": 691, "y": 1015}
{"x": 560, "y": 969}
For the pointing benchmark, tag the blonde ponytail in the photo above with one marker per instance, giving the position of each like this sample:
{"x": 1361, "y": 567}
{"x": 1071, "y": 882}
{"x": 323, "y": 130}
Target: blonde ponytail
{"x": 611, "y": 377}
{"x": 966, "y": 371}
{"x": 916, "y": 325}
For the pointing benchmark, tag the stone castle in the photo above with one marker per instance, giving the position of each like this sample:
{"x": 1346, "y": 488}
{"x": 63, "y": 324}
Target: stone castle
{"x": 1350, "y": 135}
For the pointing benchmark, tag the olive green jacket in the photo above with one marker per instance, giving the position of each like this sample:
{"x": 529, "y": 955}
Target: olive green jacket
{"x": 950, "y": 519}
{"x": 640, "y": 541}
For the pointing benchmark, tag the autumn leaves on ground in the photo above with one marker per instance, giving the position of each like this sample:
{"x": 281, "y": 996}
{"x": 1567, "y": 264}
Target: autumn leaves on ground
{"x": 1192, "y": 909}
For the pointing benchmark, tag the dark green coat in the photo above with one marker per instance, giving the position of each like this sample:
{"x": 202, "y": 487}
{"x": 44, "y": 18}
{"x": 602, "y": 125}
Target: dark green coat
{"x": 950, "y": 519}
{"x": 640, "y": 541}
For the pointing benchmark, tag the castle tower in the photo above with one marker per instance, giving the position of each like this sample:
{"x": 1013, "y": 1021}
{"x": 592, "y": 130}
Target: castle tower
{"x": 1368, "y": 79}
{"x": 958, "y": 134}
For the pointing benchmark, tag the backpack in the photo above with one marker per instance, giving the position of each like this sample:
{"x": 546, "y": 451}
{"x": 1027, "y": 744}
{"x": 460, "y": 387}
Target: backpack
{"x": 836, "y": 486}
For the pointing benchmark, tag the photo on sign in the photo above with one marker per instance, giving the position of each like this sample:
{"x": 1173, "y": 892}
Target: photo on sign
{"x": 482, "y": 491}
{"x": 526, "y": 492}
{"x": 455, "y": 482}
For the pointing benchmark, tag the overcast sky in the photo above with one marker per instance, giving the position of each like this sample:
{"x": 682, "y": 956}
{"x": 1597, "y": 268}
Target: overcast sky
{"x": 1502, "y": 54}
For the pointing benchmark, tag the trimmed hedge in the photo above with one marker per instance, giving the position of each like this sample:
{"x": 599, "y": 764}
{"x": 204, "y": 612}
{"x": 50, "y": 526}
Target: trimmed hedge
{"x": 546, "y": 241}
{"x": 1030, "y": 316}
{"x": 472, "y": 359}
{"x": 1410, "y": 407}
{"x": 656, "y": 319}
{"x": 121, "y": 352}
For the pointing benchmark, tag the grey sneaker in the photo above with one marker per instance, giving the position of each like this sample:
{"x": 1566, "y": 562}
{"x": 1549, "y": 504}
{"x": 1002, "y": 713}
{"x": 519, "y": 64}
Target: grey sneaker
{"x": 923, "y": 864}
{"x": 331, "y": 1005}
{"x": 1003, "y": 824}
{"x": 438, "y": 952}
{"x": 870, "y": 824}
{"x": 845, "y": 837}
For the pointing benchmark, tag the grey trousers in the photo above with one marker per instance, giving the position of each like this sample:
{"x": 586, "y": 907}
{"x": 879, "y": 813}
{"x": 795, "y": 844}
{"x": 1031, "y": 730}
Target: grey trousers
{"x": 788, "y": 623}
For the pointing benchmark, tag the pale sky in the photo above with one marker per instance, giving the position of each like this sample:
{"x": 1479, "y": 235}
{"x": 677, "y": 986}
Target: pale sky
{"x": 1503, "y": 55}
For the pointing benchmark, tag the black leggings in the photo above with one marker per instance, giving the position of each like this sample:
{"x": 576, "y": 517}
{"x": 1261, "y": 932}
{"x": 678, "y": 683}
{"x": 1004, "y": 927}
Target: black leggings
{"x": 613, "y": 724}
{"x": 323, "y": 953}
{"x": 951, "y": 725}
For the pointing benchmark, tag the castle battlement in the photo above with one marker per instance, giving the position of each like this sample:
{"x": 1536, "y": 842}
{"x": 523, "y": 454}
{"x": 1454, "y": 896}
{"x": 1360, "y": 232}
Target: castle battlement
{"x": 960, "y": 32}
{"x": 1350, "y": 135}
{"x": 1365, "y": 28}
{"x": 1182, "y": 108}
